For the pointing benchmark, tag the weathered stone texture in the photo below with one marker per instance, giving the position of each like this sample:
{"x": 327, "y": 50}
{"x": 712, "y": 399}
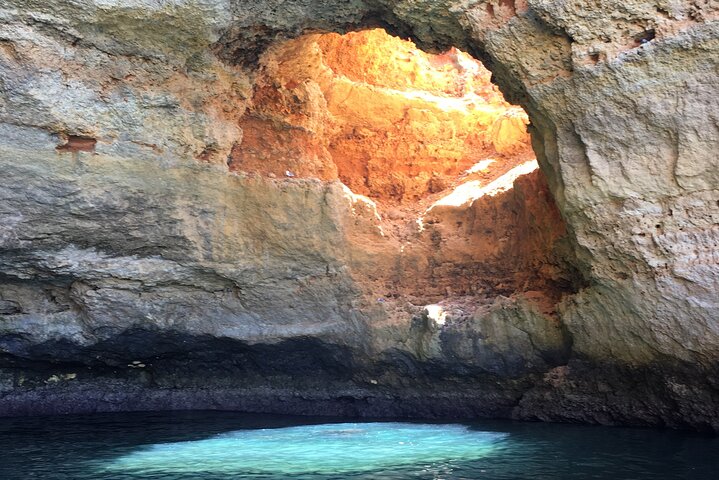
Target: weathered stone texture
{"x": 254, "y": 293}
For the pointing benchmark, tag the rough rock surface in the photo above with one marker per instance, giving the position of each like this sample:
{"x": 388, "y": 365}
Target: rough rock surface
{"x": 137, "y": 270}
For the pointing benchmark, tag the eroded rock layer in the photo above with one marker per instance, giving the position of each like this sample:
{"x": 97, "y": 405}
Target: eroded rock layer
{"x": 223, "y": 204}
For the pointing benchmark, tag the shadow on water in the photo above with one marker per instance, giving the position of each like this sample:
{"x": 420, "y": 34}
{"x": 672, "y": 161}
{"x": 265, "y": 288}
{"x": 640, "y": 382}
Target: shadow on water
{"x": 595, "y": 452}
{"x": 44, "y": 447}
{"x": 81, "y": 447}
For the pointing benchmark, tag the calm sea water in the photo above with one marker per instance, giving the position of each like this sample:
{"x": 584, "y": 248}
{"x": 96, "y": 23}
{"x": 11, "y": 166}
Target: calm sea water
{"x": 224, "y": 445}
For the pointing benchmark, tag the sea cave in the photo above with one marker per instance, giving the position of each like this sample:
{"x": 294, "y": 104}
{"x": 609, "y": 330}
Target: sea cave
{"x": 371, "y": 239}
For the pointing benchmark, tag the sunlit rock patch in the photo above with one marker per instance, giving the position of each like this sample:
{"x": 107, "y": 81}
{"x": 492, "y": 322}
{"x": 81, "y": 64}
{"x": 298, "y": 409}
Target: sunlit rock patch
{"x": 391, "y": 121}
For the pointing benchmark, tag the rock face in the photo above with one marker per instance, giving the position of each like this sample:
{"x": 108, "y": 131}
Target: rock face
{"x": 204, "y": 204}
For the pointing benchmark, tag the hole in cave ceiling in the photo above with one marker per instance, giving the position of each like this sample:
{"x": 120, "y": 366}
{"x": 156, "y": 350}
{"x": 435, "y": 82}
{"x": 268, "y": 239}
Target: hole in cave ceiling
{"x": 398, "y": 125}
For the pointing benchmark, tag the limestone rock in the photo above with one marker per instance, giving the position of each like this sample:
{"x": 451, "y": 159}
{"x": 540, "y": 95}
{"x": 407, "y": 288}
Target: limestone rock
{"x": 136, "y": 241}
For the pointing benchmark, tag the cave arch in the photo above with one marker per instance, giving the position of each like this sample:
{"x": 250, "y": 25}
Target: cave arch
{"x": 598, "y": 100}
{"x": 430, "y": 146}
{"x": 491, "y": 31}
{"x": 148, "y": 228}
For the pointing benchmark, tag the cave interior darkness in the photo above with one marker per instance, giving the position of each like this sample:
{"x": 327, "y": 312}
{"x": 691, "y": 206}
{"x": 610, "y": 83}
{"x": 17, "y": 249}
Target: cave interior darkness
{"x": 425, "y": 141}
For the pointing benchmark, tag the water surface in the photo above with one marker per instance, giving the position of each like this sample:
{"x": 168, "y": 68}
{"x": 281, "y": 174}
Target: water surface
{"x": 225, "y": 445}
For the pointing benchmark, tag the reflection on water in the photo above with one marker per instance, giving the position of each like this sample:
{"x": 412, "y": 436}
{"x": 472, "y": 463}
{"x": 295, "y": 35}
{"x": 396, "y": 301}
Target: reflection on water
{"x": 223, "y": 445}
{"x": 322, "y": 449}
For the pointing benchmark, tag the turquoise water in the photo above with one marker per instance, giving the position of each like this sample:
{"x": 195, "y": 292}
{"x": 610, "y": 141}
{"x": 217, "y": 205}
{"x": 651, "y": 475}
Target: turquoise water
{"x": 342, "y": 448}
{"x": 224, "y": 445}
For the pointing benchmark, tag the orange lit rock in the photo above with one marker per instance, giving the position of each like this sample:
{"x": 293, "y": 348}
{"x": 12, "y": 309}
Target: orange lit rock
{"x": 397, "y": 123}
{"x": 447, "y": 201}
{"x": 509, "y": 132}
{"x": 407, "y": 131}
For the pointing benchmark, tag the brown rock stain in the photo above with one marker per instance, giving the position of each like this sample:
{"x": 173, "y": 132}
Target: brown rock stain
{"x": 77, "y": 143}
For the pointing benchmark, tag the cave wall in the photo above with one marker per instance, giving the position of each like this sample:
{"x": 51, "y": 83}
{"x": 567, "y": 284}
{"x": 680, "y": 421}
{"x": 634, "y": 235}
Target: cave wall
{"x": 134, "y": 245}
